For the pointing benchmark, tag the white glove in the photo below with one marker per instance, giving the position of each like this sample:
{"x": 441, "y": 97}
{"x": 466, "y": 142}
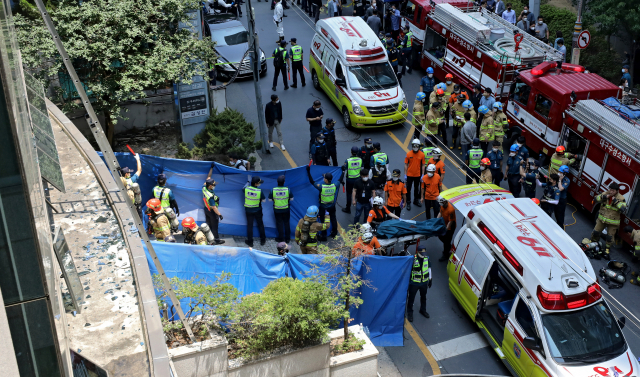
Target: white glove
{"x": 136, "y": 156}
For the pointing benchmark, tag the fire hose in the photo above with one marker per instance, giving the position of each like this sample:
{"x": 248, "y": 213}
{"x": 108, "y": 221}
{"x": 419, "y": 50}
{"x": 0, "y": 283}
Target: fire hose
{"x": 513, "y": 49}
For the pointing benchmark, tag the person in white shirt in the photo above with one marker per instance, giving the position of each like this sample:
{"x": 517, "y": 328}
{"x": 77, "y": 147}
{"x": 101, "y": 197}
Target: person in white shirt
{"x": 562, "y": 49}
{"x": 509, "y": 15}
{"x": 278, "y": 13}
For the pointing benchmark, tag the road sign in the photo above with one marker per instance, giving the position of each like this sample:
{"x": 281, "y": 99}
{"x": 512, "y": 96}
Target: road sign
{"x": 583, "y": 39}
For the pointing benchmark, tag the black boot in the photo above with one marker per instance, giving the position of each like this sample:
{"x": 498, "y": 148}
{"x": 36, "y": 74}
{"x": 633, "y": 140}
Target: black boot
{"x": 410, "y": 316}
{"x": 408, "y": 206}
{"x": 346, "y": 210}
{"x": 417, "y": 203}
{"x": 424, "y": 313}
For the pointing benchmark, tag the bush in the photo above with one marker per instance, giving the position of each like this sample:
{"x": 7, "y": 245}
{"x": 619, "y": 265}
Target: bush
{"x": 184, "y": 152}
{"x": 227, "y": 132}
{"x": 600, "y": 58}
{"x": 289, "y": 313}
{"x": 559, "y": 19}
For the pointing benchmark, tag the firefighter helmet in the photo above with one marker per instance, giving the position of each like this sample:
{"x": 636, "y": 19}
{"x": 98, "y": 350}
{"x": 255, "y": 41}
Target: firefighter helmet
{"x": 312, "y": 211}
{"x": 560, "y": 149}
{"x": 189, "y": 222}
{"x": 485, "y": 161}
{"x": 420, "y": 96}
{"x": 415, "y": 142}
{"x": 440, "y": 92}
{"x": 154, "y": 205}
{"x": 467, "y": 104}
{"x": 367, "y": 237}
{"x": 514, "y": 148}
{"x": 536, "y": 200}
{"x": 442, "y": 86}
{"x": 430, "y": 70}
{"x": 441, "y": 200}
{"x": 366, "y": 227}
{"x": 497, "y": 106}
{"x": 431, "y": 168}
{"x": 436, "y": 152}
{"x": 564, "y": 169}
{"x": 483, "y": 109}
{"x": 377, "y": 201}
{"x": 448, "y": 76}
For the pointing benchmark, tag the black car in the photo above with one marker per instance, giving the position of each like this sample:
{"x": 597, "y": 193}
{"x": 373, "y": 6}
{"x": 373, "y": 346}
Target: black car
{"x": 231, "y": 44}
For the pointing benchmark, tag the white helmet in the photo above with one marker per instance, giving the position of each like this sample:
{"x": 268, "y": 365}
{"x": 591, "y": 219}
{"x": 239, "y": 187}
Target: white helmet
{"x": 367, "y": 237}
{"x": 441, "y": 199}
{"x": 365, "y": 228}
{"x": 431, "y": 168}
{"x": 377, "y": 201}
{"x": 415, "y": 142}
{"x": 436, "y": 152}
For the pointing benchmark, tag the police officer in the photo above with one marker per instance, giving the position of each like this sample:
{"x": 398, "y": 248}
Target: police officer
{"x": 418, "y": 117}
{"x": 328, "y": 193}
{"x": 211, "y": 210}
{"x": 307, "y": 231}
{"x": 393, "y": 54}
{"x": 158, "y": 220}
{"x": 522, "y": 151}
{"x": 165, "y": 195}
{"x": 352, "y": 166}
{"x": 563, "y": 186}
{"x": 330, "y": 139}
{"x": 473, "y": 158}
{"x": 513, "y": 169}
{"x": 378, "y": 154}
{"x": 611, "y": 205}
{"x": 634, "y": 235}
{"x": 529, "y": 174}
{"x": 253, "y": 198}
{"x": 495, "y": 156}
{"x": 487, "y": 135}
{"x": 500, "y": 124}
{"x": 551, "y": 194}
{"x": 297, "y": 58}
{"x": 283, "y": 68}
{"x": 420, "y": 281}
{"x": 560, "y": 158}
{"x": 319, "y": 151}
{"x": 366, "y": 152}
{"x": 192, "y": 233}
{"x": 379, "y": 174}
{"x": 407, "y": 50}
{"x": 281, "y": 196}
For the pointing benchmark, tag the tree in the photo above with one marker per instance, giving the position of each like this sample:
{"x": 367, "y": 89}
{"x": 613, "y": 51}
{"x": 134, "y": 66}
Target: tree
{"x": 118, "y": 47}
{"x": 609, "y": 16}
{"x": 227, "y": 132}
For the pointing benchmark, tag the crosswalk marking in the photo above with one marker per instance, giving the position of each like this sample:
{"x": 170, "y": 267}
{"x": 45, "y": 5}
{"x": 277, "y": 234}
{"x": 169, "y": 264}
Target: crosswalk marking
{"x": 458, "y": 346}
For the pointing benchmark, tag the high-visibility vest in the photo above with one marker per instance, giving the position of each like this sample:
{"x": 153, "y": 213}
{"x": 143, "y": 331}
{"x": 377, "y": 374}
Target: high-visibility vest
{"x": 420, "y": 275}
{"x": 475, "y": 155}
{"x": 251, "y": 197}
{"x": 280, "y": 197}
{"x": 428, "y": 153}
{"x": 409, "y": 35}
{"x": 354, "y": 164}
{"x": 609, "y": 213}
{"x": 327, "y": 194}
{"x": 206, "y": 195}
{"x": 296, "y": 52}
{"x": 380, "y": 155}
{"x": 162, "y": 193}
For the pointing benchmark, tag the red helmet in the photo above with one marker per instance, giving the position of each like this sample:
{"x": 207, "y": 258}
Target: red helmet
{"x": 440, "y": 92}
{"x": 535, "y": 200}
{"x": 449, "y": 76}
{"x": 154, "y": 204}
{"x": 485, "y": 161}
{"x": 189, "y": 222}
{"x": 560, "y": 149}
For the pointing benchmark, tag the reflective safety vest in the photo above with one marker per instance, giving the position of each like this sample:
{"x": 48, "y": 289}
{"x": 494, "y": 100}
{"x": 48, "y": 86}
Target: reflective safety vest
{"x": 327, "y": 194}
{"x": 251, "y": 197}
{"x": 162, "y": 193}
{"x": 409, "y": 35}
{"x": 420, "y": 275}
{"x": 161, "y": 231}
{"x": 557, "y": 160}
{"x": 486, "y": 129}
{"x": 280, "y": 197}
{"x": 609, "y": 212}
{"x": 380, "y": 155}
{"x": 296, "y": 52}
{"x": 206, "y": 195}
{"x": 500, "y": 123}
{"x": 635, "y": 240}
{"x": 418, "y": 114}
{"x": 475, "y": 155}
{"x": 473, "y": 115}
{"x": 354, "y": 164}
{"x": 458, "y": 111}
{"x": 428, "y": 153}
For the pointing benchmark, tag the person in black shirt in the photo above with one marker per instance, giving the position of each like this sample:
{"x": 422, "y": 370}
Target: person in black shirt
{"x": 475, "y": 100}
{"x": 330, "y": 139}
{"x": 314, "y": 117}
{"x": 273, "y": 117}
{"x": 363, "y": 190}
{"x": 319, "y": 152}
{"x": 366, "y": 152}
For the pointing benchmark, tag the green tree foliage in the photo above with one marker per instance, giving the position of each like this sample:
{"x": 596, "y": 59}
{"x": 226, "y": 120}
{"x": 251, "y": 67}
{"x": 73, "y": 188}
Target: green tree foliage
{"x": 558, "y": 19}
{"x": 600, "y": 58}
{"x": 118, "y": 47}
{"x": 611, "y": 16}
{"x": 227, "y": 132}
{"x": 289, "y": 313}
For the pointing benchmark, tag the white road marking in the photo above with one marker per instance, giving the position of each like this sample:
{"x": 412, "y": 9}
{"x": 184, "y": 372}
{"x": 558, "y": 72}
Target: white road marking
{"x": 458, "y": 346}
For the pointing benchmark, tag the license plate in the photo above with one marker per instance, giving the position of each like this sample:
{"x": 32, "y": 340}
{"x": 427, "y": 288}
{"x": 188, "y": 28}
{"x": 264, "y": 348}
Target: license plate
{"x": 384, "y": 121}
{"x": 244, "y": 72}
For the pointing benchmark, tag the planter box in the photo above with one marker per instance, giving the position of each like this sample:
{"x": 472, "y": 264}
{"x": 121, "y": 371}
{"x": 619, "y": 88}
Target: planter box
{"x": 308, "y": 362}
{"x": 363, "y": 363}
{"x": 203, "y": 359}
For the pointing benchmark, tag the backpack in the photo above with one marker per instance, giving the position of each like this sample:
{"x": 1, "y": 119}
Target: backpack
{"x": 278, "y": 60}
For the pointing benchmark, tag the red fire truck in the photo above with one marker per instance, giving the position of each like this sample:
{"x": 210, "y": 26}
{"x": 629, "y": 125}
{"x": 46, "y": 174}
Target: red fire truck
{"x": 609, "y": 145}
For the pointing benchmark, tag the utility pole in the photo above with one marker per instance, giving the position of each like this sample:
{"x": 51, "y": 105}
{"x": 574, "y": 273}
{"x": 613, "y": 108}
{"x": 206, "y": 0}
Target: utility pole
{"x": 577, "y": 29}
{"x": 534, "y": 8}
{"x": 255, "y": 63}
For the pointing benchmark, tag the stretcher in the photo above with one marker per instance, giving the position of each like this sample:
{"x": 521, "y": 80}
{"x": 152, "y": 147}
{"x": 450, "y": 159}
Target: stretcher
{"x": 406, "y": 232}
{"x": 388, "y": 245}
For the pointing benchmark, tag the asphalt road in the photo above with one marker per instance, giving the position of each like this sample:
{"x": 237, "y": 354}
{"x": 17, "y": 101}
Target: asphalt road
{"x": 448, "y": 342}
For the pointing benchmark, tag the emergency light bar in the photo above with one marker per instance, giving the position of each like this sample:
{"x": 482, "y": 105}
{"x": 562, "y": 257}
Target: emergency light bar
{"x": 364, "y": 55}
{"x": 543, "y": 68}
{"x": 558, "y": 301}
{"x": 572, "y": 67}
{"x": 507, "y": 255}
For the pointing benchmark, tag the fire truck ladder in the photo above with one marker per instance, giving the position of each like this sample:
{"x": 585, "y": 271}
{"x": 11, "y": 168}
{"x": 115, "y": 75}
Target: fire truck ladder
{"x": 607, "y": 122}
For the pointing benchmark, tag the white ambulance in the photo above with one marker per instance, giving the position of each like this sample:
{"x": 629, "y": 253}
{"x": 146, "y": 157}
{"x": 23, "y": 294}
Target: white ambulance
{"x": 349, "y": 63}
{"x": 531, "y": 290}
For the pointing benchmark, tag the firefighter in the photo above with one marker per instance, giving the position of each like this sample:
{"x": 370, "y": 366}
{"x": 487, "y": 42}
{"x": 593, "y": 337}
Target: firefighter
{"x": 366, "y": 152}
{"x": 420, "y": 281}
{"x": 560, "y": 158}
{"x": 500, "y": 123}
{"x": 486, "y": 128}
{"x": 457, "y": 114}
{"x": 130, "y": 183}
{"x": 328, "y": 193}
{"x": 468, "y": 106}
{"x": 551, "y": 194}
{"x": 563, "y": 186}
{"x": 529, "y": 174}
{"x": 395, "y": 193}
{"x": 379, "y": 174}
{"x": 319, "y": 151}
{"x": 473, "y": 158}
{"x": 352, "y": 166}
{"x": 611, "y": 205}
{"x": 429, "y": 146}
{"x": 307, "y": 231}
{"x": 418, "y": 118}
{"x": 448, "y": 91}
{"x": 394, "y": 56}
{"x": 330, "y": 139}
{"x": 435, "y": 120}
{"x": 211, "y": 211}
{"x": 634, "y": 235}
{"x": 513, "y": 170}
{"x": 367, "y": 244}
{"x": 437, "y": 96}
{"x": 379, "y": 213}
{"x": 165, "y": 195}
{"x": 485, "y": 172}
{"x": 378, "y": 154}
{"x": 192, "y": 233}
{"x": 448, "y": 214}
{"x": 158, "y": 221}
{"x": 431, "y": 187}
{"x": 436, "y": 160}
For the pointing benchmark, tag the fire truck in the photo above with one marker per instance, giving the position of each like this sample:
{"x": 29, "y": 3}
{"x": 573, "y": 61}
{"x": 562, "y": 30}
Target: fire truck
{"x": 607, "y": 143}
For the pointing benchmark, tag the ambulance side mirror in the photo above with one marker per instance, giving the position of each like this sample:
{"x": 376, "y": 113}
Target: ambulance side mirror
{"x": 532, "y": 343}
{"x": 341, "y": 82}
{"x": 622, "y": 321}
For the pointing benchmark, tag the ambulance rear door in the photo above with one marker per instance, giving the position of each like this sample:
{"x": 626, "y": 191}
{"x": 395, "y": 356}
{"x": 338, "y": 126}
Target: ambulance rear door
{"x": 468, "y": 269}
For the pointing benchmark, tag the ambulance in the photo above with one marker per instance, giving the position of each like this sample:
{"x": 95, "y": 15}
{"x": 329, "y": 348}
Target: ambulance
{"x": 349, "y": 63}
{"x": 531, "y": 290}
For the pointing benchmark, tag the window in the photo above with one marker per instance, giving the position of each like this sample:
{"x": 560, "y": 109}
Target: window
{"x": 408, "y": 10}
{"x": 339, "y": 72}
{"x": 434, "y": 46}
{"x": 634, "y": 208}
{"x": 230, "y": 36}
{"x": 543, "y": 105}
{"x": 371, "y": 77}
{"x": 576, "y": 145}
{"x": 479, "y": 267}
{"x": 520, "y": 92}
{"x": 525, "y": 319}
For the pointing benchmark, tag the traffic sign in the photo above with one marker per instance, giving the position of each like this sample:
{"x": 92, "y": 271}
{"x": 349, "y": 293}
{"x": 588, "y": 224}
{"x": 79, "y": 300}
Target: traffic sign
{"x": 583, "y": 39}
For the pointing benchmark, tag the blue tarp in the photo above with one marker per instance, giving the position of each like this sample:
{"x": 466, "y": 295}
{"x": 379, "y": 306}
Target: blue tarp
{"x": 399, "y": 228}
{"x": 624, "y": 110}
{"x": 251, "y": 270}
{"x": 185, "y": 178}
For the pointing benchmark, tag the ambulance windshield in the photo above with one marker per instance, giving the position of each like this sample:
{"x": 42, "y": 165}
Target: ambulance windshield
{"x": 585, "y": 335}
{"x": 372, "y": 77}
